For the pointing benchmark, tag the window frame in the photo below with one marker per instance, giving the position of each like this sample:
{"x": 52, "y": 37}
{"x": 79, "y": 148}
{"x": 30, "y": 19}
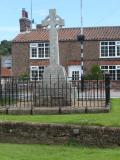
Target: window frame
{"x": 36, "y": 45}
{"x": 34, "y": 68}
{"x": 108, "y": 69}
{"x": 75, "y": 75}
{"x": 117, "y": 43}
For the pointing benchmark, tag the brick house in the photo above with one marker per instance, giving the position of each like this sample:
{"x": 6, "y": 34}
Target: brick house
{"x": 30, "y": 49}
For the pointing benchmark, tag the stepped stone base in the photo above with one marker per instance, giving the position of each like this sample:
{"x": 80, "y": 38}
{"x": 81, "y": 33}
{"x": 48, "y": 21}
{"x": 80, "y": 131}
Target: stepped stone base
{"x": 55, "y": 90}
{"x": 54, "y": 75}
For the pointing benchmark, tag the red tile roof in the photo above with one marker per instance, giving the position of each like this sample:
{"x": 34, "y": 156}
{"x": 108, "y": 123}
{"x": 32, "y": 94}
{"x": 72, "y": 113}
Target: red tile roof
{"x": 68, "y": 34}
{"x": 5, "y": 72}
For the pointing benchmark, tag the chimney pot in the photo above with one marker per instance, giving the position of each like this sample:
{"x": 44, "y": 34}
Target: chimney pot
{"x": 24, "y": 13}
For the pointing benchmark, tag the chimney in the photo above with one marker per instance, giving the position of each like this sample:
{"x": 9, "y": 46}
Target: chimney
{"x": 25, "y": 23}
{"x": 39, "y": 26}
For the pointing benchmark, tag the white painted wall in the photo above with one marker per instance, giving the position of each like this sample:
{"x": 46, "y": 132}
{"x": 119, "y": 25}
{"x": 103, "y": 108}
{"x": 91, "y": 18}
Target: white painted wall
{"x": 73, "y": 68}
{"x": 6, "y": 61}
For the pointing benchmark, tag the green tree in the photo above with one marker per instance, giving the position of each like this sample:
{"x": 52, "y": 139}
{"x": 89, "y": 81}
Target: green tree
{"x": 94, "y": 73}
{"x": 5, "y": 47}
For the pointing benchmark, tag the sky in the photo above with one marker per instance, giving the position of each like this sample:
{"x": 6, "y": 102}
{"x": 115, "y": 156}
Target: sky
{"x": 95, "y": 13}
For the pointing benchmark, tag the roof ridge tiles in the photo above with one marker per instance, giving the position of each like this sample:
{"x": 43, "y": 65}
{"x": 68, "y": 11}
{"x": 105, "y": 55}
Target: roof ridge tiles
{"x": 66, "y": 34}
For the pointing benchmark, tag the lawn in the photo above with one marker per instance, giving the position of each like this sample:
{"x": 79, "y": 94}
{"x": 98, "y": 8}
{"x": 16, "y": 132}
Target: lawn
{"x": 45, "y": 152}
{"x": 67, "y": 152}
{"x": 102, "y": 119}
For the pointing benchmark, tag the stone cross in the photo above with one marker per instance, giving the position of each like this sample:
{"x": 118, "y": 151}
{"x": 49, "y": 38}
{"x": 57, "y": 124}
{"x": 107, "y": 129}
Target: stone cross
{"x": 53, "y": 22}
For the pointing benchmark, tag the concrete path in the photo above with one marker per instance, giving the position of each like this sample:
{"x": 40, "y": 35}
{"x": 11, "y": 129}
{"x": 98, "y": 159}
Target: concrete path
{"x": 115, "y": 93}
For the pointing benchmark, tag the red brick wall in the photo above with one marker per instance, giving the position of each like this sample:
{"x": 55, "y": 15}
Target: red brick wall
{"x": 69, "y": 52}
{"x": 20, "y": 57}
{"x": 69, "y": 55}
{"x": 91, "y": 54}
{"x": 112, "y": 61}
{"x": 39, "y": 62}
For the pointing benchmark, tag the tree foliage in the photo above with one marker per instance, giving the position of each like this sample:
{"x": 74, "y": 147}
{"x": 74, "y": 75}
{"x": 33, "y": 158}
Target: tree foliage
{"x": 5, "y": 47}
{"x": 95, "y": 73}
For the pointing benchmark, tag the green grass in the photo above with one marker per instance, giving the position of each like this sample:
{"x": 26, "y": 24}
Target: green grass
{"x": 101, "y": 119}
{"x": 45, "y": 152}
{"x": 71, "y": 152}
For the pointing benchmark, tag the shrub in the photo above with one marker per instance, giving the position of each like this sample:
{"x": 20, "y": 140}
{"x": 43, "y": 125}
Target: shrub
{"x": 95, "y": 73}
{"x": 24, "y": 76}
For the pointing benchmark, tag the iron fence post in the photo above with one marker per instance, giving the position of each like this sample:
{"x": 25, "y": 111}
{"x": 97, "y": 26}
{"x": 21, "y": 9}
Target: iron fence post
{"x": 107, "y": 88}
{"x": 82, "y": 82}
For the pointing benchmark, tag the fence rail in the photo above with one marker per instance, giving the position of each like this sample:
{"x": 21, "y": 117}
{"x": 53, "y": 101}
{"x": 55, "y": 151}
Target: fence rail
{"x": 26, "y": 93}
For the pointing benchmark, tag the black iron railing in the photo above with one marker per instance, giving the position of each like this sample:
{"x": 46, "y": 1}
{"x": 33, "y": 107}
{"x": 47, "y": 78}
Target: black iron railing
{"x": 26, "y": 93}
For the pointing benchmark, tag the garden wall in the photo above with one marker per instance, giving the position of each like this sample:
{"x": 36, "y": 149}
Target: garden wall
{"x": 19, "y": 132}
{"x": 115, "y": 85}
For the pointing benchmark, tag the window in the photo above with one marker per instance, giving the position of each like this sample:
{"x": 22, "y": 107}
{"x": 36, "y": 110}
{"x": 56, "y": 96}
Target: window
{"x": 36, "y": 72}
{"x": 75, "y": 75}
{"x": 39, "y": 50}
{"x": 113, "y": 70}
{"x": 34, "y": 52}
{"x": 109, "y": 49}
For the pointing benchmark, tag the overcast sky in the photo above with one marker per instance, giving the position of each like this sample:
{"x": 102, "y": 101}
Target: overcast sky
{"x": 95, "y": 13}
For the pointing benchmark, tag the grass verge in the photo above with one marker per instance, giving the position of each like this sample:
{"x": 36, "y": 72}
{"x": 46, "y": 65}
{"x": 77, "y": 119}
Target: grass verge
{"x": 45, "y": 152}
{"x": 102, "y": 119}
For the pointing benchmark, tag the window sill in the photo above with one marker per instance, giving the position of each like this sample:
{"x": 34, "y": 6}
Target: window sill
{"x": 40, "y": 58}
{"x": 109, "y": 57}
